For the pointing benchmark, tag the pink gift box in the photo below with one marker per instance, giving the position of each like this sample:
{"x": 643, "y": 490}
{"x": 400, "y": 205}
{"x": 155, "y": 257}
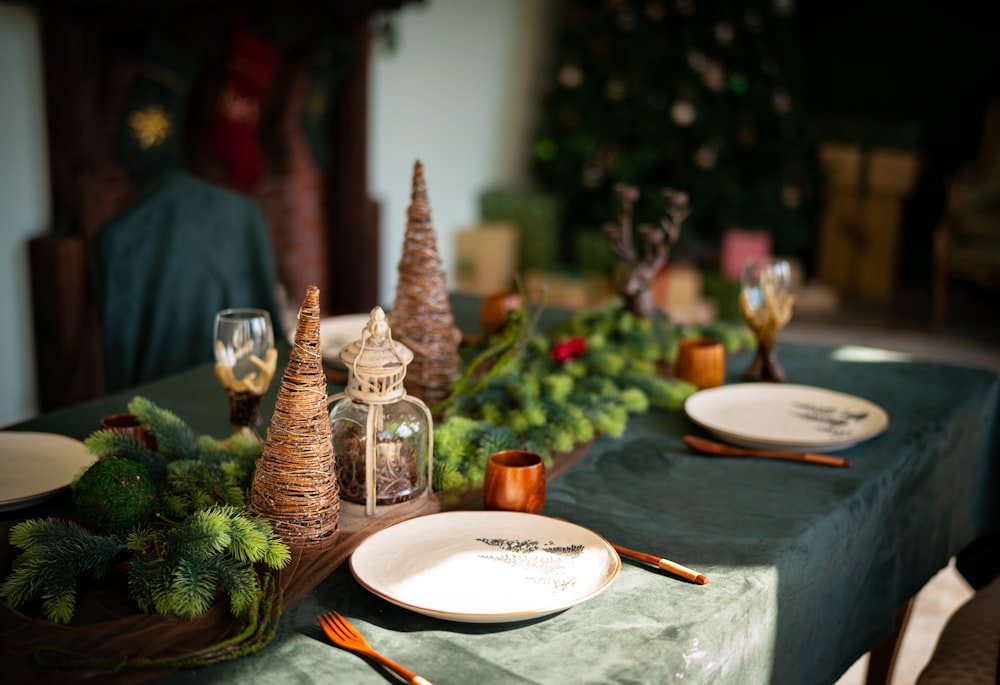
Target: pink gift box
{"x": 739, "y": 245}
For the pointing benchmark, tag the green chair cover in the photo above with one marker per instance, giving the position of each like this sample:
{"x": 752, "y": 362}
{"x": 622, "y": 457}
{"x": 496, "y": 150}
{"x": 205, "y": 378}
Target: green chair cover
{"x": 166, "y": 264}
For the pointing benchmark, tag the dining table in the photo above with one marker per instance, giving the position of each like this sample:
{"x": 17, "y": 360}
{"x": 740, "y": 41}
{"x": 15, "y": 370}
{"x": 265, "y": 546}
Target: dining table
{"x": 807, "y": 565}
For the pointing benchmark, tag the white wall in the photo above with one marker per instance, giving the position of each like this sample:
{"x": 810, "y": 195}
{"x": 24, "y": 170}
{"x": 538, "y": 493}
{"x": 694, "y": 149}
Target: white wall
{"x": 24, "y": 203}
{"x": 457, "y": 95}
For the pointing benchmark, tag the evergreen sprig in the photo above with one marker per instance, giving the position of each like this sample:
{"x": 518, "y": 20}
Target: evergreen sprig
{"x": 54, "y": 553}
{"x": 194, "y": 484}
{"x": 174, "y": 438}
{"x": 176, "y": 572}
{"x": 494, "y": 357}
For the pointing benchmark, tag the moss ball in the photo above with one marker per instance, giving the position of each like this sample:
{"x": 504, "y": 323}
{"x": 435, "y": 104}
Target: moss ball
{"x": 115, "y": 493}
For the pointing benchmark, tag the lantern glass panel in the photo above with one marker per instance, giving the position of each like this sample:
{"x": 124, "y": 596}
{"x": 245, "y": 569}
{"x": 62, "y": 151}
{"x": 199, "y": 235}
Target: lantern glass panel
{"x": 401, "y": 450}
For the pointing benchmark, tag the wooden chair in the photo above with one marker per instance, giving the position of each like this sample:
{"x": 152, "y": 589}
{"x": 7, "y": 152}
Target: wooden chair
{"x": 968, "y": 647}
{"x": 967, "y": 239}
{"x": 882, "y": 659}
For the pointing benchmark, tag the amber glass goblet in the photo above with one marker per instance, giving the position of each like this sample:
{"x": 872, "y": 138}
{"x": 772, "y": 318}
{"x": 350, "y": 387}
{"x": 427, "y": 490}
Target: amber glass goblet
{"x": 245, "y": 360}
{"x": 766, "y": 301}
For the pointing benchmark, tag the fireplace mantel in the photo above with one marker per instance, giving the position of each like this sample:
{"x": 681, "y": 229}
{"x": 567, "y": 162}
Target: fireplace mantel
{"x": 91, "y": 52}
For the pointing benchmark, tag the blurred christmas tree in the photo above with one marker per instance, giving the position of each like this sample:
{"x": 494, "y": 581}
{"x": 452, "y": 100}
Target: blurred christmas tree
{"x": 700, "y": 96}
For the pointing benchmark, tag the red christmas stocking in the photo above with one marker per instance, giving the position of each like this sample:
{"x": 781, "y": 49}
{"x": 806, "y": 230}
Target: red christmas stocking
{"x": 233, "y": 131}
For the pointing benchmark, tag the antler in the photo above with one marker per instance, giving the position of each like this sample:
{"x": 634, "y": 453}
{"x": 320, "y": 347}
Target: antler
{"x": 676, "y": 204}
{"x": 620, "y": 231}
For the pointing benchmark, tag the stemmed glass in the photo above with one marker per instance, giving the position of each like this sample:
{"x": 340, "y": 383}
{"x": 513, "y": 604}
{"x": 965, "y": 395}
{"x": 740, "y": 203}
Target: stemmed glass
{"x": 766, "y": 301}
{"x": 245, "y": 361}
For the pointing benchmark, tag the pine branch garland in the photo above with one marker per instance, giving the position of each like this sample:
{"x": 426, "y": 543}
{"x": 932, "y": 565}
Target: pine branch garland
{"x": 550, "y": 403}
{"x": 175, "y": 569}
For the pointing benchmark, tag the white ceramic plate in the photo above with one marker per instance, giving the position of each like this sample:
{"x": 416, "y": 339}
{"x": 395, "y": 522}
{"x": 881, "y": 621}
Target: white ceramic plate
{"x": 780, "y": 416}
{"x": 37, "y": 466}
{"x": 485, "y": 566}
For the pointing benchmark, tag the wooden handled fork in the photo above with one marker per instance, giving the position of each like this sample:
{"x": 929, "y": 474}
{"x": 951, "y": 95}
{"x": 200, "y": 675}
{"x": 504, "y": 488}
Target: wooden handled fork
{"x": 344, "y": 635}
{"x": 723, "y": 450}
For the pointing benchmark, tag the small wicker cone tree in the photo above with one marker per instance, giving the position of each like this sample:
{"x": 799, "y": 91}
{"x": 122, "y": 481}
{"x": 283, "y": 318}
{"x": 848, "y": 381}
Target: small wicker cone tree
{"x": 295, "y": 485}
{"x": 421, "y": 316}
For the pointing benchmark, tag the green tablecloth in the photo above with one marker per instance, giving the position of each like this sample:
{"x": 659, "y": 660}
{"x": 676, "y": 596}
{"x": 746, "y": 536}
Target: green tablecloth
{"x": 807, "y": 564}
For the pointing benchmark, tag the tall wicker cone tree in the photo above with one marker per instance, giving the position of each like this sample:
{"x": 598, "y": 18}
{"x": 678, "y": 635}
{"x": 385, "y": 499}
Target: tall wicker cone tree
{"x": 421, "y": 316}
{"x": 295, "y": 486}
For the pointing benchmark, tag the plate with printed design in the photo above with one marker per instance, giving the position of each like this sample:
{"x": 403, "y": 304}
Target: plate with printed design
{"x": 485, "y": 566}
{"x": 786, "y": 417}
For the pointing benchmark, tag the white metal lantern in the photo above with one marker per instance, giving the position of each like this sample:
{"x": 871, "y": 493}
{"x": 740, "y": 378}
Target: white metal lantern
{"x": 382, "y": 437}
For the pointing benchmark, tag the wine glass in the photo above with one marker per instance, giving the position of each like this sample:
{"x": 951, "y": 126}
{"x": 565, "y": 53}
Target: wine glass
{"x": 766, "y": 301}
{"x": 245, "y": 361}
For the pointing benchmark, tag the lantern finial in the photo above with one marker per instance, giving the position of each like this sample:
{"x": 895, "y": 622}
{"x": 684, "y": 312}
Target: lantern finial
{"x": 376, "y": 364}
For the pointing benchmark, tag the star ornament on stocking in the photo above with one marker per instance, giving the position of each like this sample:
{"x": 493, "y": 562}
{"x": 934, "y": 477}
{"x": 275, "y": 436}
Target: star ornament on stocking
{"x": 150, "y": 126}
{"x": 148, "y": 142}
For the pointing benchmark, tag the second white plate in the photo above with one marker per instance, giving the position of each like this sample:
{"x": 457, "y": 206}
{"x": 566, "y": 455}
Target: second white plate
{"x": 485, "y": 566}
{"x": 780, "y": 416}
{"x": 335, "y": 332}
{"x": 37, "y": 466}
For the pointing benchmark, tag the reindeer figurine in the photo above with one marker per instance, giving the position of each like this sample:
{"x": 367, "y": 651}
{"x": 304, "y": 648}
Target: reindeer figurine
{"x": 638, "y": 270}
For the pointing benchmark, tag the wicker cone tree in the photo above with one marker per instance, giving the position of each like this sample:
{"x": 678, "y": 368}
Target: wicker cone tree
{"x": 295, "y": 485}
{"x": 421, "y": 316}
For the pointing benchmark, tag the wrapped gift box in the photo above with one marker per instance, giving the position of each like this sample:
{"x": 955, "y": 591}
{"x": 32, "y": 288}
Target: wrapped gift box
{"x": 486, "y": 258}
{"x": 862, "y": 219}
{"x": 739, "y": 245}
{"x": 569, "y": 290}
{"x": 679, "y": 291}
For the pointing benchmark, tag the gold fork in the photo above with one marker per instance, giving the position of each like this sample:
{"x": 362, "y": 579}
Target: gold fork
{"x": 343, "y": 634}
